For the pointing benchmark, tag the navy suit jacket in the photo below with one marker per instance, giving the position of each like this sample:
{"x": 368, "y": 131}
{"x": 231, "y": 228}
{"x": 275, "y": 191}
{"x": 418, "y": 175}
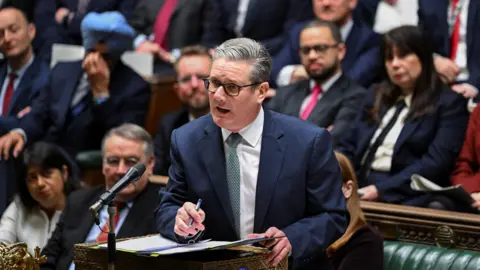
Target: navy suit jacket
{"x": 51, "y": 120}
{"x": 33, "y": 80}
{"x": 361, "y": 62}
{"x": 298, "y": 185}
{"x": 432, "y": 18}
{"x": 427, "y": 146}
{"x": 166, "y": 125}
{"x": 267, "y": 21}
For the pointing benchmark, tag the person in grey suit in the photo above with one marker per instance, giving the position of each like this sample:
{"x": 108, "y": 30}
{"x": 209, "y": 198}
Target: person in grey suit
{"x": 329, "y": 98}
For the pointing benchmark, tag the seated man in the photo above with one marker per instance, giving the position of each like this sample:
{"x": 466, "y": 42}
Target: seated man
{"x": 257, "y": 171}
{"x": 192, "y": 66}
{"x": 22, "y": 75}
{"x": 122, "y": 148}
{"x": 329, "y": 99}
{"x": 362, "y": 59}
{"x": 84, "y": 99}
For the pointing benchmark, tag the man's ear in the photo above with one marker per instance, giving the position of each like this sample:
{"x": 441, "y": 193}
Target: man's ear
{"x": 262, "y": 91}
{"x": 347, "y": 189}
{"x": 32, "y": 31}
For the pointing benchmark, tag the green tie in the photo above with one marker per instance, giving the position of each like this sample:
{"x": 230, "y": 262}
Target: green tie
{"x": 233, "y": 177}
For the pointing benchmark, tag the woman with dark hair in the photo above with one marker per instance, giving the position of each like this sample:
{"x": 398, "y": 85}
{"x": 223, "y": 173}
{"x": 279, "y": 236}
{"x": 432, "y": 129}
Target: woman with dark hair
{"x": 360, "y": 244}
{"x": 44, "y": 181}
{"x": 411, "y": 123}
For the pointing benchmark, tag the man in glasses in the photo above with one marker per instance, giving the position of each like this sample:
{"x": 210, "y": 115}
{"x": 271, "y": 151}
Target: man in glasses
{"x": 122, "y": 147}
{"x": 192, "y": 67}
{"x": 328, "y": 98}
{"x": 257, "y": 172}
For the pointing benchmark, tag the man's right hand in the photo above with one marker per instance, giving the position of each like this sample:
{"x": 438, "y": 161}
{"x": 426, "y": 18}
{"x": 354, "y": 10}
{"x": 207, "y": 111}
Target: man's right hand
{"x": 148, "y": 47}
{"x": 14, "y": 140}
{"x": 447, "y": 68}
{"x": 299, "y": 73}
{"x": 476, "y": 200}
{"x": 182, "y": 220}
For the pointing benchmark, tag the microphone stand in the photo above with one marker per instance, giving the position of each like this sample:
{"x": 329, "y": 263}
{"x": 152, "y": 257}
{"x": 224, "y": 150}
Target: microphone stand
{"x": 111, "y": 245}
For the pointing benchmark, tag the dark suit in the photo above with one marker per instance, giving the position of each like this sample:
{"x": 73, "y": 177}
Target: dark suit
{"x": 167, "y": 124}
{"x": 432, "y": 18}
{"x": 185, "y": 26}
{"x": 50, "y": 32}
{"x": 338, "y": 106}
{"x": 33, "y": 80}
{"x": 76, "y": 222}
{"x": 361, "y": 62}
{"x": 52, "y": 120}
{"x": 427, "y": 146}
{"x": 298, "y": 187}
{"x": 267, "y": 21}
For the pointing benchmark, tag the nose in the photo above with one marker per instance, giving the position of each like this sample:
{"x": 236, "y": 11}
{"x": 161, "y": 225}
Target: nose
{"x": 122, "y": 168}
{"x": 220, "y": 95}
{"x": 312, "y": 54}
{"x": 195, "y": 82}
{"x": 395, "y": 62}
{"x": 40, "y": 183}
{"x": 7, "y": 36}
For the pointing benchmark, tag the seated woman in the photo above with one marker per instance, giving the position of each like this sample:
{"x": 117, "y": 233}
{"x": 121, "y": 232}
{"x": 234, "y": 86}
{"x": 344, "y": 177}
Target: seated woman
{"x": 411, "y": 123}
{"x": 360, "y": 245}
{"x": 44, "y": 181}
{"x": 467, "y": 168}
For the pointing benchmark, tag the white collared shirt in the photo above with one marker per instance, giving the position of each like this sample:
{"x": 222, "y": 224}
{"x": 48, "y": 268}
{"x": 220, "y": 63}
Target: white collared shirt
{"x": 284, "y": 76}
{"x": 461, "y": 55}
{"x": 383, "y": 157}
{"x": 16, "y": 82}
{"x": 248, "y": 151}
{"x": 325, "y": 86}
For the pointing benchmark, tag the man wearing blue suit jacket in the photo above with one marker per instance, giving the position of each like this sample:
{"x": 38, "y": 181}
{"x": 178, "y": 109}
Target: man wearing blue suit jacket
{"x": 464, "y": 70}
{"x": 362, "y": 59}
{"x": 258, "y": 172}
{"x": 29, "y": 73}
{"x": 267, "y": 21}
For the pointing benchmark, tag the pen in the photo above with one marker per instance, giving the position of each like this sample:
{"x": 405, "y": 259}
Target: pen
{"x": 197, "y": 207}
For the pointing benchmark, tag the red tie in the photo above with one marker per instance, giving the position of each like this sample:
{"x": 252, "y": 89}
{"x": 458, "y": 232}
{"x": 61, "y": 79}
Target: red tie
{"x": 317, "y": 90}
{"x": 9, "y": 93}
{"x": 103, "y": 236}
{"x": 455, "y": 33}
{"x": 162, "y": 21}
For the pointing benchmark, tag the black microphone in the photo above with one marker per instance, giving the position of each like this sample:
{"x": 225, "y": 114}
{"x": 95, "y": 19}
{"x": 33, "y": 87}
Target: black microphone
{"x": 132, "y": 175}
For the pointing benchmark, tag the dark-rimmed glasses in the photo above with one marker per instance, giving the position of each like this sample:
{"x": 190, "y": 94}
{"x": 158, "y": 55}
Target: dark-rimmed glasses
{"x": 230, "y": 89}
{"x": 319, "y": 48}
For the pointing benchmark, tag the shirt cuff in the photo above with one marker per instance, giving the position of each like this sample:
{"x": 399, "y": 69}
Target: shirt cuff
{"x": 139, "y": 40}
{"x": 22, "y": 132}
{"x": 285, "y": 75}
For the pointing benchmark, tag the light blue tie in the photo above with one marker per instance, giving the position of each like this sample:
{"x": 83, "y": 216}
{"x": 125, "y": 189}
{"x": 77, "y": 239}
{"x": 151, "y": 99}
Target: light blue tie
{"x": 233, "y": 177}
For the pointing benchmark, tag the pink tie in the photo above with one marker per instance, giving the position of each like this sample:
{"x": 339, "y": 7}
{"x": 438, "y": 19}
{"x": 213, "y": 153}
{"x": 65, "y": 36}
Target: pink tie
{"x": 162, "y": 21}
{"x": 8, "y": 93}
{"x": 317, "y": 90}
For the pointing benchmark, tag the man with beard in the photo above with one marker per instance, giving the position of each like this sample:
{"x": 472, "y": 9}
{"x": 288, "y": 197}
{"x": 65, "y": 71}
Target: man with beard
{"x": 192, "y": 66}
{"x": 329, "y": 99}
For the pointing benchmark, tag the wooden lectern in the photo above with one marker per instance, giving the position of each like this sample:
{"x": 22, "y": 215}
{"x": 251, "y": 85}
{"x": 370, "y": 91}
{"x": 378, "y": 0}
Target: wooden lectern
{"x": 90, "y": 257}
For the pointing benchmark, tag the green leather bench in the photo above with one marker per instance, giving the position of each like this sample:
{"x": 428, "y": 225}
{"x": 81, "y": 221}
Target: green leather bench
{"x": 406, "y": 256}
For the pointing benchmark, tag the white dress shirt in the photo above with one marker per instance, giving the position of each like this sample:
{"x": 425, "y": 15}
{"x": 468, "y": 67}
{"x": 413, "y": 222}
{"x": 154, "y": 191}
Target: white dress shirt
{"x": 461, "y": 55}
{"x": 16, "y": 82}
{"x": 241, "y": 15}
{"x": 383, "y": 157}
{"x": 388, "y": 16}
{"x": 325, "y": 86}
{"x": 18, "y": 224}
{"x": 285, "y": 74}
{"x": 248, "y": 152}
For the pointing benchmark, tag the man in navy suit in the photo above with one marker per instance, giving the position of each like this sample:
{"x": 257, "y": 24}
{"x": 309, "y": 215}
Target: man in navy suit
{"x": 22, "y": 75}
{"x": 267, "y": 21}
{"x": 193, "y": 65}
{"x": 362, "y": 59}
{"x": 455, "y": 41}
{"x": 258, "y": 172}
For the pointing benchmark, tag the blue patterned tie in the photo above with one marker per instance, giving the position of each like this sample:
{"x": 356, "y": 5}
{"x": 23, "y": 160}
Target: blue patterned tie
{"x": 233, "y": 177}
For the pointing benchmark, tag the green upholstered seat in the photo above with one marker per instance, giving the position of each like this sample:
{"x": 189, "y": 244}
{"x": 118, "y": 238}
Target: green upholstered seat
{"x": 89, "y": 160}
{"x": 406, "y": 256}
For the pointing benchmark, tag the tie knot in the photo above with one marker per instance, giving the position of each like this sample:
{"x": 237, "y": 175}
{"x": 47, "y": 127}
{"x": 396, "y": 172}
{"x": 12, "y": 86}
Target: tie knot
{"x": 234, "y": 139}
{"x": 317, "y": 89}
{"x": 12, "y": 76}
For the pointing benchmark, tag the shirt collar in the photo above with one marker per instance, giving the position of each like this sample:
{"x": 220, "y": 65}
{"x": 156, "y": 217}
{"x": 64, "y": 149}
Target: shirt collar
{"x": 346, "y": 29}
{"x": 408, "y": 100}
{"x": 327, "y": 84}
{"x": 22, "y": 70}
{"x": 251, "y": 133}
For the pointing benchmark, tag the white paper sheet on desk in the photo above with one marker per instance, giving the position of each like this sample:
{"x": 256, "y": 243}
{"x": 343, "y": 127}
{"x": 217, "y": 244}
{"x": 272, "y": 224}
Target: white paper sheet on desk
{"x": 143, "y": 243}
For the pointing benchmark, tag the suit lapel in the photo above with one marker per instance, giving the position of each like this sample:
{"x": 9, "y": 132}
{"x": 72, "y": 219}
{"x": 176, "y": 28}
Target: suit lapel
{"x": 271, "y": 160}
{"x": 294, "y": 102}
{"x": 327, "y": 100}
{"x": 178, "y": 7}
{"x": 24, "y": 87}
{"x": 471, "y": 23}
{"x": 253, "y": 7}
{"x": 407, "y": 130}
{"x": 68, "y": 86}
{"x": 213, "y": 156}
{"x": 136, "y": 214}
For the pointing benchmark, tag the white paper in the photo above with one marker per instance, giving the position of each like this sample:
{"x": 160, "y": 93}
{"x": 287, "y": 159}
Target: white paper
{"x": 192, "y": 247}
{"x": 66, "y": 53}
{"x": 141, "y": 63}
{"x": 139, "y": 244}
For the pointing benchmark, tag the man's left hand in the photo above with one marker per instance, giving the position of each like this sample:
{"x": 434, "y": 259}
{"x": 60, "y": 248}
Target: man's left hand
{"x": 370, "y": 193}
{"x": 98, "y": 74}
{"x": 465, "y": 89}
{"x": 279, "y": 247}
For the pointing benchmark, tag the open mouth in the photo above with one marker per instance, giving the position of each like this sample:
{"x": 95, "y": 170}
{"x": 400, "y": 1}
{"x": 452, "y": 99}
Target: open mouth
{"x": 222, "y": 110}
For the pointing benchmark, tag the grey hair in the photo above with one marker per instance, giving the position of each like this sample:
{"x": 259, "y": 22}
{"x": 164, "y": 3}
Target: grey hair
{"x": 131, "y": 132}
{"x": 245, "y": 49}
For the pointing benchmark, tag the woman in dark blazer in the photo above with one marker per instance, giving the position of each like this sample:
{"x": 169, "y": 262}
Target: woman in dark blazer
{"x": 411, "y": 123}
